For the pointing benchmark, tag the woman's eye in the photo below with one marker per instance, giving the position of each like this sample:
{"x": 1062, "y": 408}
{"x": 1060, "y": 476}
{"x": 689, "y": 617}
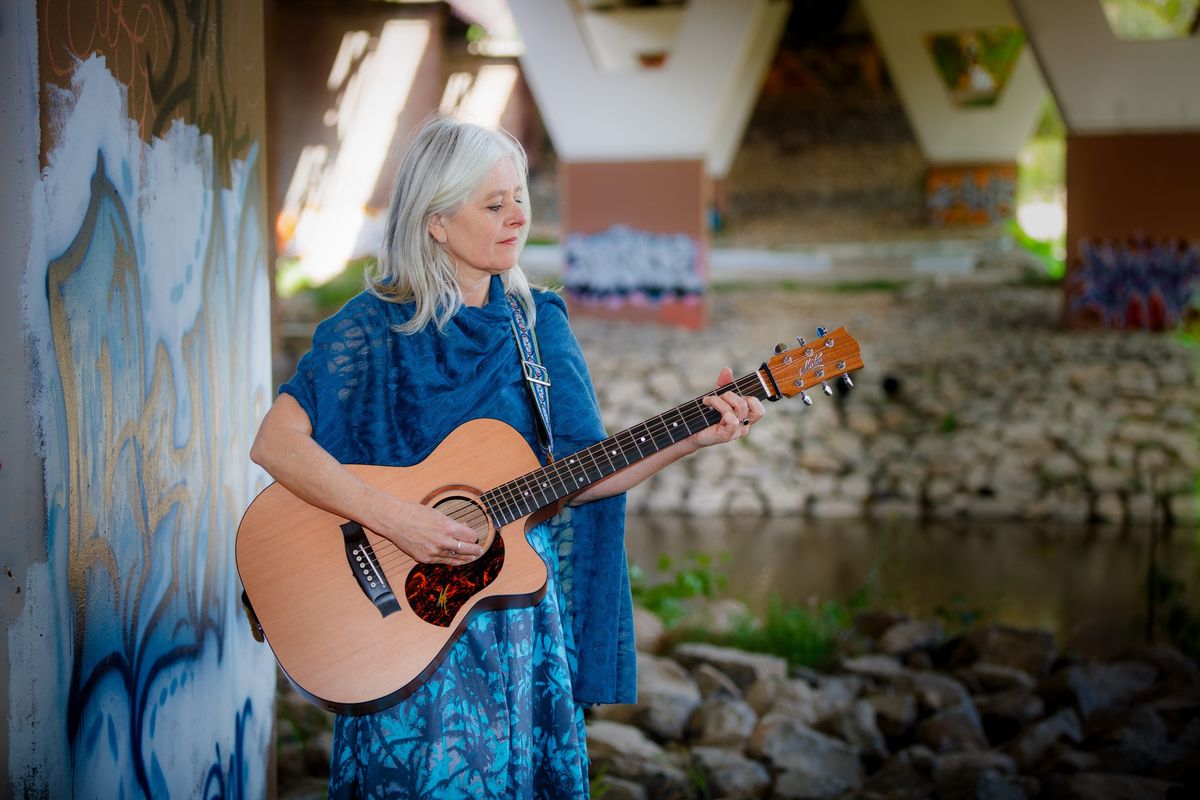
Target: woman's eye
{"x": 495, "y": 207}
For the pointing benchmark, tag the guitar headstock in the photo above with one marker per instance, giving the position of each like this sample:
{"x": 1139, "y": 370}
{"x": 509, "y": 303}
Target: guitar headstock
{"x": 806, "y": 366}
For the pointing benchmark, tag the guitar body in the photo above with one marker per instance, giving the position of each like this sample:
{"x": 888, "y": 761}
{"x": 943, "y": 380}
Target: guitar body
{"x": 310, "y": 586}
{"x": 357, "y": 625}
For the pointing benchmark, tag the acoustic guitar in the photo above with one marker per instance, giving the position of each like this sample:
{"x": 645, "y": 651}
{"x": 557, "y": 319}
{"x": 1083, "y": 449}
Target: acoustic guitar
{"x": 357, "y": 624}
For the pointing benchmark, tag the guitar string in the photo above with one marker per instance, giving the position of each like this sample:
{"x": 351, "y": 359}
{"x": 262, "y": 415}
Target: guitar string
{"x": 510, "y": 494}
{"x": 518, "y": 493}
{"x": 389, "y": 555}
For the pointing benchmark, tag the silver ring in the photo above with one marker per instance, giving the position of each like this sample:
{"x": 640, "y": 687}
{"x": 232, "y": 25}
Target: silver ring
{"x": 745, "y": 420}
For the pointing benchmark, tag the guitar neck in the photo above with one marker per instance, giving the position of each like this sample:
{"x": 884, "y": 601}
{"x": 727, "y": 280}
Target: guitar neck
{"x": 524, "y": 495}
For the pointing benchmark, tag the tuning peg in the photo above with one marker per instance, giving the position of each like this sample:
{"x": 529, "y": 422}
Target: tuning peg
{"x": 807, "y": 400}
{"x": 779, "y": 348}
{"x": 846, "y": 380}
{"x": 820, "y": 331}
{"x": 825, "y": 388}
{"x": 800, "y": 340}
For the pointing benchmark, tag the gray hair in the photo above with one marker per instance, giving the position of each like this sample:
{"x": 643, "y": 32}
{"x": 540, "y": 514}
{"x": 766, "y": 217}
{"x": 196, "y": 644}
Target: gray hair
{"x": 447, "y": 160}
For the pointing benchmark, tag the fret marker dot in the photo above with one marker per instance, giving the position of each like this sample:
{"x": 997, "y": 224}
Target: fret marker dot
{"x": 643, "y": 438}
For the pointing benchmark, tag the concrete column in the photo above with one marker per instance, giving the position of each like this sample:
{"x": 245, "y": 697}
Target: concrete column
{"x": 972, "y": 148}
{"x": 645, "y": 108}
{"x": 1132, "y": 111}
{"x": 137, "y": 366}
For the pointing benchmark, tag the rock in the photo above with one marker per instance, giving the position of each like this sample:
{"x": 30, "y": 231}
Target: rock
{"x": 907, "y": 775}
{"x": 1169, "y": 662}
{"x": 722, "y": 723}
{"x": 894, "y": 713}
{"x": 1030, "y": 650}
{"x": 620, "y": 789}
{"x": 729, "y": 774}
{"x": 880, "y": 667}
{"x": 988, "y": 784}
{"x": 808, "y": 763}
{"x": 317, "y": 753}
{"x": 793, "y": 697}
{"x": 719, "y": 617}
{"x": 856, "y": 726}
{"x": 714, "y": 684}
{"x": 972, "y": 762}
{"x": 1006, "y": 714}
{"x": 956, "y": 728}
{"x": 648, "y": 630}
{"x": 290, "y": 763}
{"x": 743, "y": 668}
{"x": 914, "y": 634}
{"x": 999, "y": 678}
{"x": 934, "y": 691}
{"x": 1064, "y": 759}
{"x": 874, "y": 624}
{"x": 1136, "y": 743}
{"x": 1094, "y": 687}
{"x": 836, "y": 694}
{"x": 1035, "y": 742}
{"x": 1106, "y": 786}
{"x": 667, "y": 697}
{"x": 623, "y": 751}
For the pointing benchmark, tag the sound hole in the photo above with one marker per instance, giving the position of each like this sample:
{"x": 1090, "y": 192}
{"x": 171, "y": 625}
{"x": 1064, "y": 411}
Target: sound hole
{"x": 469, "y": 512}
{"x": 436, "y": 592}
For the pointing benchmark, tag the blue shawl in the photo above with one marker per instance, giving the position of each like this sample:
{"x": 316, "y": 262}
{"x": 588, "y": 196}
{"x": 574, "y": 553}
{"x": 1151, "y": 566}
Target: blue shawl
{"x": 376, "y": 396}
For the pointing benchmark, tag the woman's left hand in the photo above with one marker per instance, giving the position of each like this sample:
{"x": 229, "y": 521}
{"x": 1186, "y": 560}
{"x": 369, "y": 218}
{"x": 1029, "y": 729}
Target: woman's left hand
{"x": 738, "y": 413}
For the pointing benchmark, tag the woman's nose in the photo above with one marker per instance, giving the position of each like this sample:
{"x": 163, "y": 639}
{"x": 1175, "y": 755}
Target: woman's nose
{"x": 518, "y": 218}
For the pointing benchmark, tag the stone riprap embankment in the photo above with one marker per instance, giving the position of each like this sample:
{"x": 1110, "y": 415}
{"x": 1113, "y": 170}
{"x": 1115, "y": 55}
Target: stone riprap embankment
{"x": 994, "y": 712}
{"x": 973, "y": 403}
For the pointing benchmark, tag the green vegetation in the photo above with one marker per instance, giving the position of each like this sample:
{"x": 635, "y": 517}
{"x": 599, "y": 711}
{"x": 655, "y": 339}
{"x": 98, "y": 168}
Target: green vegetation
{"x": 328, "y": 296}
{"x": 667, "y": 599}
{"x": 1041, "y": 179}
{"x": 803, "y": 635}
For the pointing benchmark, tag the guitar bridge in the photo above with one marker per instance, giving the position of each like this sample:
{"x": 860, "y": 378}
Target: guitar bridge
{"x": 365, "y": 567}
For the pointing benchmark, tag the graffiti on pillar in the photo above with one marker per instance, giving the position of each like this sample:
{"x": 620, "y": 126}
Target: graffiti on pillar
{"x": 622, "y": 265}
{"x": 975, "y": 195}
{"x": 131, "y": 665}
{"x": 1137, "y": 283}
{"x": 975, "y": 65}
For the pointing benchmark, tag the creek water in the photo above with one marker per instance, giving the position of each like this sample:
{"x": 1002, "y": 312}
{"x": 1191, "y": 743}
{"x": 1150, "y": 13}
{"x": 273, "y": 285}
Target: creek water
{"x": 1087, "y": 586}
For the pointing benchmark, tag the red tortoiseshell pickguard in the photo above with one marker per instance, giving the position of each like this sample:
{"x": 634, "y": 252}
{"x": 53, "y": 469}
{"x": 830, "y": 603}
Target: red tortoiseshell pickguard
{"x": 437, "y": 591}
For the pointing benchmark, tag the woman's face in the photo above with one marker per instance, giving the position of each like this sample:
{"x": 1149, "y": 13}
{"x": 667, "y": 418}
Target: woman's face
{"x": 484, "y": 236}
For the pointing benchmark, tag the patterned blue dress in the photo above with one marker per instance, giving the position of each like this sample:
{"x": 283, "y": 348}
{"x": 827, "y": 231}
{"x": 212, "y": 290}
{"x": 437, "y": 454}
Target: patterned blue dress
{"x": 501, "y": 717}
{"x": 496, "y": 720}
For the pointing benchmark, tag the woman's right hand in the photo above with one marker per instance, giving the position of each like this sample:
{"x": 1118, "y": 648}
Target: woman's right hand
{"x": 426, "y": 534}
{"x": 285, "y": 448}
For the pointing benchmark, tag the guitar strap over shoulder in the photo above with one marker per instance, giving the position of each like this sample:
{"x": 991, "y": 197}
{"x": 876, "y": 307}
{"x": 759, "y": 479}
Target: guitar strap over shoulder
{"x": 537, "y": 377}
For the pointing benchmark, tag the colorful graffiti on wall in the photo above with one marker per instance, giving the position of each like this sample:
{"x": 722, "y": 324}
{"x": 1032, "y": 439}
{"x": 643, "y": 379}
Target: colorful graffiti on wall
{"x": 975, "y": 65}
{"x": 622, "y": 265}
{"x": 1137, "y": 283}
{"x": 133, "y": 672}
{"x": 978, "y": 195}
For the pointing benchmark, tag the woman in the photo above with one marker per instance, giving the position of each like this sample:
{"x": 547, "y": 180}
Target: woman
{"x": 428, "y": 346}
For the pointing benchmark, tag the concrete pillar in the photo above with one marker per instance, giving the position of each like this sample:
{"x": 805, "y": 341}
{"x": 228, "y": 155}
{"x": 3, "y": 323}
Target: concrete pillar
{"x": 645, "y": 107}
{"x": 1132, "y": 111}
{"x": 137, "y": 366}
{"x": 971, "y": 128}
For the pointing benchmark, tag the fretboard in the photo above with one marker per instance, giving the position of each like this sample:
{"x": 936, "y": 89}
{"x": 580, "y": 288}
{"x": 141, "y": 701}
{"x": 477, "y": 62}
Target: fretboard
{"x": 566, "y": 476}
